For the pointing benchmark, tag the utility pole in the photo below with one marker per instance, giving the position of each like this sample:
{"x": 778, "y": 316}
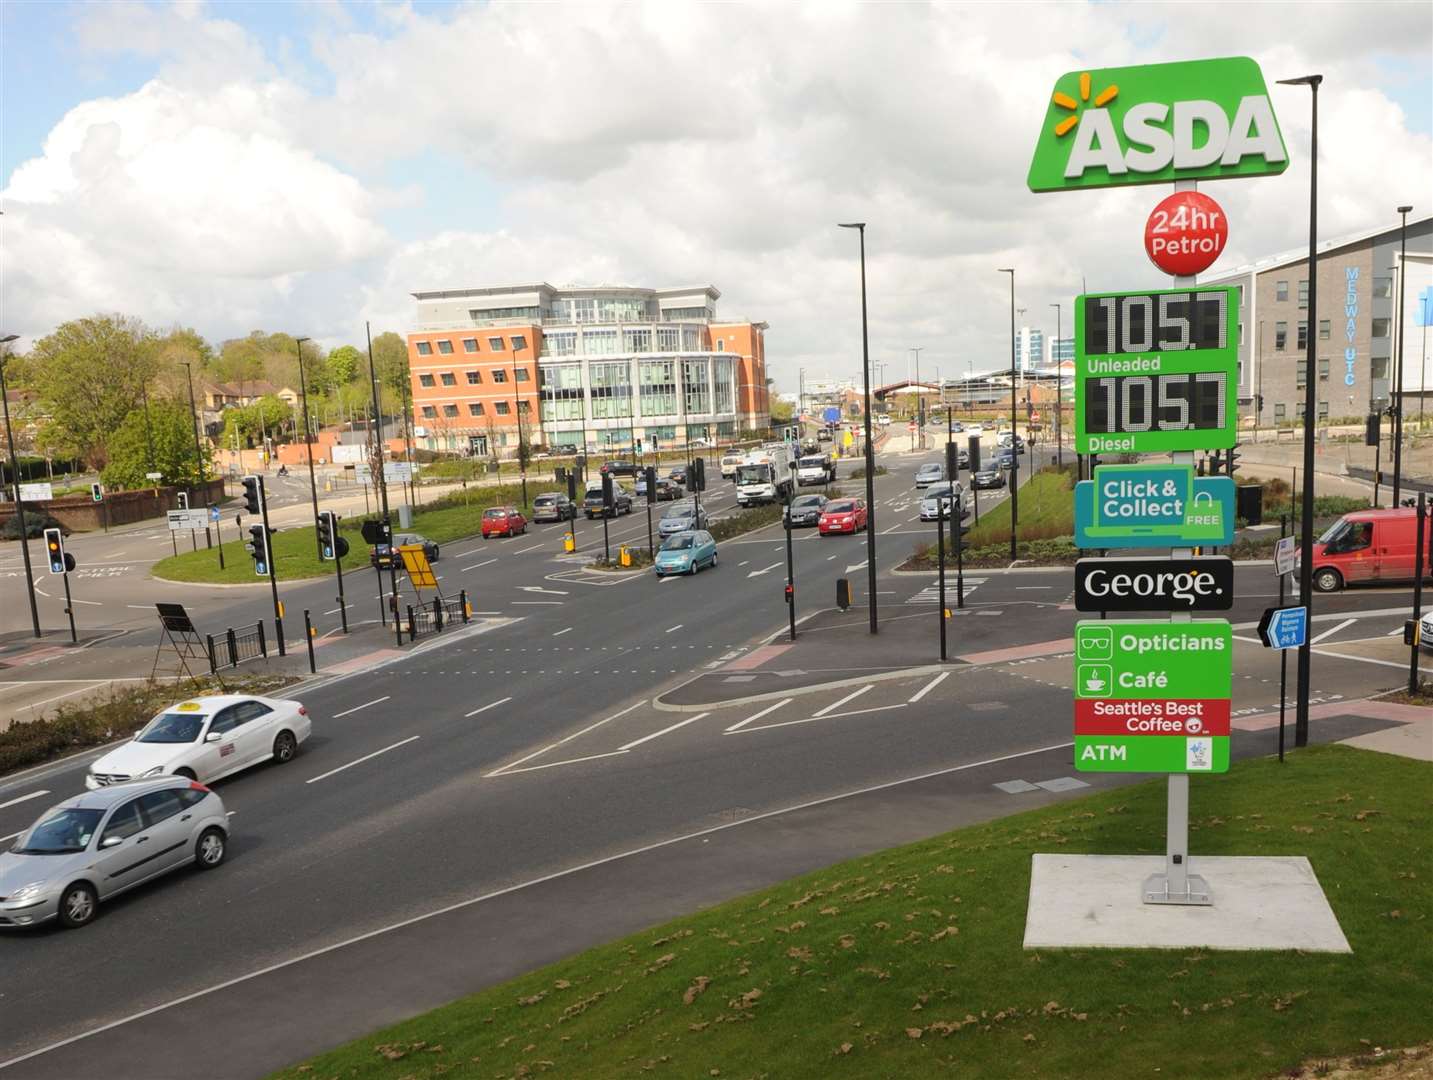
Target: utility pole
{"x": 308, "y": 444}
{"x": 920, "y": 400}
{"x": 15, "y": 476}
{"x": 1014, "y": 434}
{"x": 860, "y": 226}
{"x": 1398, "y": 362}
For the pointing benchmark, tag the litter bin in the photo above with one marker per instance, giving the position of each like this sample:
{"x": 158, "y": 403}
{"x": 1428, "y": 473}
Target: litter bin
{"x": 1249, "y": 499}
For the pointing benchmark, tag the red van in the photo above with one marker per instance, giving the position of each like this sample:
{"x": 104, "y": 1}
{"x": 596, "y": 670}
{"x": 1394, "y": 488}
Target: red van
{"x": 1368, "y": 546}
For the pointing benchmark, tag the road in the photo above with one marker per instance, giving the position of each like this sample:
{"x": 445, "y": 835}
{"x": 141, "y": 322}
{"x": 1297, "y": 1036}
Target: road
{"x": 604, "y": 751}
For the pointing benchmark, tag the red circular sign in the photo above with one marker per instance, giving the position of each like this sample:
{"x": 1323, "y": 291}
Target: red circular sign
{"x": 1185, "y": 233}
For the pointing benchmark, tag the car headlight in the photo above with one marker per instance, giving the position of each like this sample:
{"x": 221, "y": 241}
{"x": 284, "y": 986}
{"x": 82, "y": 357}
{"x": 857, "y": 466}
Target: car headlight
{"x": 26, "y": 892}
{"x": 156, "y": 771}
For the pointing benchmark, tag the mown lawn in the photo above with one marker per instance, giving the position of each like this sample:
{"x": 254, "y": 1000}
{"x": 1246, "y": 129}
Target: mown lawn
{"x": 909, "y": 963}
{"x": 1047, "y": 510}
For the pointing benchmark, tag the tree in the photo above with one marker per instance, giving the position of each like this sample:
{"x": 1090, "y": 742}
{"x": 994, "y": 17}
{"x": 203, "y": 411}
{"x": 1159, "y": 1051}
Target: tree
{"x": 267, "y": 416}
{"x": 90, "y": 373}
{"x": 171, "y": 425}
{"x": 390, "y": 360}
{"x": 344, "y": 364}
{"x": 781, "y": 411}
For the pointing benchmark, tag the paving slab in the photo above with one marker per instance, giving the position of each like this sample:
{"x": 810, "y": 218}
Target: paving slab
{"x": 1260, "y": 902}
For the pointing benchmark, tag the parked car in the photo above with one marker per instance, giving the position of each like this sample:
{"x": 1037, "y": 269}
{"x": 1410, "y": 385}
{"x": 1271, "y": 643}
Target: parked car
{"x": 939, "y": 499}
{"x": 87, "y": 848}
{"x": 988, "y": 477}
{"x": 593, "y": 506}
{"x": 503, "y": 521}
{"x": 430, "y": 549}
{"x": 729, "y": 462}
{"x": 932, "y": 472}
{"x": 681, "y": 518}
{"x": 843, "y": 516}
{"x": 1004, "y": 441}
{"x": 701, "y": 444}
{"x": 806, "y": 509}
{"x": 553, "y": 506}
{"x": 206, "y": 738}
{"x": 620, "y": 468}
{"x": 955, "y": 427}
{"x": 686, "y": 553}
{"x": 1367, "y": 546}
{"x": 823, "y": 436}
{"x": 1005, "y": 460}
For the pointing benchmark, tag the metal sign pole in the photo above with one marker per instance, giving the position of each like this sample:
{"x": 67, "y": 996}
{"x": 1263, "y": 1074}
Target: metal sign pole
{"x": 70, "y": 609}
{"x": 273, "y": 575}
{"x": 1417, "y": 595}
{"x": 940, "y": 549}
{"x": 1283, "y": 653}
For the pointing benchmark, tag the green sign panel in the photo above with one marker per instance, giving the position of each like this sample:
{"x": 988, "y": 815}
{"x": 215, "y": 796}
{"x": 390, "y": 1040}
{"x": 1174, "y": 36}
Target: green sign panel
{"x": 1156, "y": 371}
{"x": 1152, "y": 753}
{"x": 1191, "y": 120}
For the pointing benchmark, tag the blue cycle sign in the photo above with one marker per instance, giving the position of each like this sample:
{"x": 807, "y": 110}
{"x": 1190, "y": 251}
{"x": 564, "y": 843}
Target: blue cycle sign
{"x": 1284, "y": 628}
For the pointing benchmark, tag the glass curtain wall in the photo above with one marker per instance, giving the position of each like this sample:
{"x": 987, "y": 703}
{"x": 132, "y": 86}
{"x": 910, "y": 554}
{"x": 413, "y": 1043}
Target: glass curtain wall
{"x": 560, "y": 390}
{"x": 611, "y": 390}
{"x": 694, "y": 382}
{"x": 659, "y": 387}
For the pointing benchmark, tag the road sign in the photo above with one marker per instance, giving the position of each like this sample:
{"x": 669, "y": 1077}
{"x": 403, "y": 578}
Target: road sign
{"x": 1140, "y": 125}
{"x": 1284, "y": 552}
{"x": 1156, "y": 371}
{"x": 415, "y": 563}
{"x": 181, "y": 520}
{"x": 399, "y": 471}
{"x": 1151, "y": 506}
{"x": 154, "y": 476}
{"x": 40, "y": 492}
{"x": 1284, "y": 628}
{"x": 1205, "y": 583}
{"x": 1185, "y": 233}
{"x": 214, "y": 513}
{"x": 831, "y": 414}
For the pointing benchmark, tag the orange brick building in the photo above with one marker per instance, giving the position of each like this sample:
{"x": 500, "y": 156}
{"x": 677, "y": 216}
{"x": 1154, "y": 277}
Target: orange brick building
{"x": 592, "y": 368}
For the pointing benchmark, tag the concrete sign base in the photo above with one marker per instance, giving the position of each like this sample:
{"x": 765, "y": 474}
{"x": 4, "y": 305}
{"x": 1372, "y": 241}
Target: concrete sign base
{"x": 1095, "y": 901}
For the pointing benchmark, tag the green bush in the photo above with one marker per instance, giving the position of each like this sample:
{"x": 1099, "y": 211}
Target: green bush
{"x": 755, "y": 517}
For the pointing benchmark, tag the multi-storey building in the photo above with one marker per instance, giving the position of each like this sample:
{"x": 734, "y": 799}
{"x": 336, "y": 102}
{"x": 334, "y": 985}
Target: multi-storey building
{"x": 1030, "y": 348}
{"x": 592, "y": 368}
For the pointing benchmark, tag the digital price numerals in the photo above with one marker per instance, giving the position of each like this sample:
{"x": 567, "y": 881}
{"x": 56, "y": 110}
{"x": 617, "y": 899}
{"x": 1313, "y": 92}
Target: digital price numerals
{"x": 1193, "y": 401}
{"x": 1156, "y": 322}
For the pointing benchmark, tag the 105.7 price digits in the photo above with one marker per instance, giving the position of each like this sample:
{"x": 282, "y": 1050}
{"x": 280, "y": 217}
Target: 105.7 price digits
{"x": 1175, "y": 402}
{"x": 1156, "y": 322}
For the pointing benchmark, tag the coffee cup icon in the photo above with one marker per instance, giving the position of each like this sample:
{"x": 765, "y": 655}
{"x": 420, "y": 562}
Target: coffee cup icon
{"x": 1093, "y": 680}
{"x": 1094, "y": 684}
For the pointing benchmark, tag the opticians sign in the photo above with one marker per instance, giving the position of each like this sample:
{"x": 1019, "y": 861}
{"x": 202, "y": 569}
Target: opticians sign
{"x": 1156, "y": 371}
{"x": 1191, "y": 120}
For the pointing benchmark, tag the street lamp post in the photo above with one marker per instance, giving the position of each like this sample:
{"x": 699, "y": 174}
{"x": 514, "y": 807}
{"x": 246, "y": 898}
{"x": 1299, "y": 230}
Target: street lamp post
{"x": 860, "y": 226}
{"x": 522, "y": 449}
{"x": 1059, "y": 391}
{"x": 199, "y": 456}
{"x": 15, "y": 476}
{"x": 308, "y": 444}
{"x": 1398, "y": 362}
{"x": 920, "y": 400}
{"x": 1306, "y": 511}
{"x": 1014, "y": 435}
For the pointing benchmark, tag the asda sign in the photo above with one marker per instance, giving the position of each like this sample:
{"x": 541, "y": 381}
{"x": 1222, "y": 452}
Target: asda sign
{"x": 1192, "y": 120}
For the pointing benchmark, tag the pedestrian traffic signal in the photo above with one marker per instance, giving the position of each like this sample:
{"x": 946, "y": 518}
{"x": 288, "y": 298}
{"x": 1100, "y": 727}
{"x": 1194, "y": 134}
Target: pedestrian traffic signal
{"x": 1372, "y": 434}
{"x": 97, "y": 492}
{"x": 258, "y": 549}
{"x": 253, "y": 494}
{"x": 55, "y": 551}
{"x": 327, "y": 534}
{"x": 572, "y": 484}
{"x": 183, "y": 499}
{"x": 699, "y": 474}
{"x": 1232, "y": 460}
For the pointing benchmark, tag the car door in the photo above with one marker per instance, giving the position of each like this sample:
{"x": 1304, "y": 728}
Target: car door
{"x": 255, "y": 732}
{"x": 1359, "y": 555}
{"x": 169, "y": 823}
{"x": 124, "y": 849}
{"x": 220, "y": 755}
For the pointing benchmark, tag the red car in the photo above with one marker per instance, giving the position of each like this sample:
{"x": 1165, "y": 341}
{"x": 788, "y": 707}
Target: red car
{"x": 503, "y": 521}
{"x": 842, "y": 516}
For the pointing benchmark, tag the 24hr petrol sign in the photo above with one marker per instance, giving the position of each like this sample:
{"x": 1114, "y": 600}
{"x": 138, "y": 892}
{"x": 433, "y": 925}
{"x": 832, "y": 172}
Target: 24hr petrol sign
{"x": 1153, "y": 696}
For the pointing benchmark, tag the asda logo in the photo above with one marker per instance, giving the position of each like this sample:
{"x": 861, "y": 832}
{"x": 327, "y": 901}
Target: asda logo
{"x": 1205, "y": 119}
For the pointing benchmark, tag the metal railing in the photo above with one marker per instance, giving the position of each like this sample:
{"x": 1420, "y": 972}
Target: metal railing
{"x": 431, "y": 618}
{"x": 236, "y": 646}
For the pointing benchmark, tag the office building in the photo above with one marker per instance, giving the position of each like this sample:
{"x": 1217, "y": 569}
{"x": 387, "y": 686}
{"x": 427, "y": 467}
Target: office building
{"x": 1029, "y": 348}
{"x": 595, "y": 368}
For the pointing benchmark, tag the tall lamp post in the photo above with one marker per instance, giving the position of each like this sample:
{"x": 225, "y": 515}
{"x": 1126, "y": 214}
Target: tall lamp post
{"x": 860, "y": 226}
{"x": 194, "y": 416}
{"x": 1014, "y": 412}
{"x": 308, "y": 442}
{"x": 1306, "y": 515}
{"x": 920, "y": 400}
{"x": 522, "y": 449}
{"x": 15, "y": 476}
{"x": 1398, "y": 362}
{"x": 1059, "y": 390}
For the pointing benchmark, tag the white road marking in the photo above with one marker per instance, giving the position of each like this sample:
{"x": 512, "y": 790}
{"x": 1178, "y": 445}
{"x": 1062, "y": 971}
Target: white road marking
{"x": 12, "y": 836}
{"x": 140, "y": 607}
{"x": 1024, "y": 588}
{"x": 892, "y": 529}
{"x": 24, "y": 798}
{"x": 666, "y": 578}
{"x": 669, "y": 629}
{"x": 475, "y": 565}
{"x": 333, "y": 611}
{"x": 591, "y": 727}
{"x": 928, "y": 687}
{"x": 664, "y": 731}
{"x": 91, "y": 603}
{"x": 742, "y": 563}
{"x": 809, "y": 719}
{"x": 829, "y": 557}
{"x": 1333, "y": 630}
{"x": 519, "y": 761}
{"x": 540, "y": 589}
{"x": 849, "y": 697}
{"x": 553, "y": 764}
{"x": 490, "y": 705}
{"x": 360, "y": 761}
{"x": 365, "y": 705}
{"x": 1395, "y": 630}
{"x": 532, "y": 602}
{"x": 520, "y": 551}
{"x": 857, "y": 566}
{"x": 767, "y": 570}
{"x": 757, "y": 716}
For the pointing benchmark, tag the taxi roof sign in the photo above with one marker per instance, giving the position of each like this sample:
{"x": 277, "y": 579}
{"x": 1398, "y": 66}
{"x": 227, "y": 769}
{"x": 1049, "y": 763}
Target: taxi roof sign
{"x": 188, "y": 706}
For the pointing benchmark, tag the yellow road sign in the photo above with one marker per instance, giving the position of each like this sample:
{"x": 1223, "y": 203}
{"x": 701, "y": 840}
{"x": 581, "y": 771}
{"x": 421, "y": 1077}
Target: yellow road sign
{"x": 415, "y": 563}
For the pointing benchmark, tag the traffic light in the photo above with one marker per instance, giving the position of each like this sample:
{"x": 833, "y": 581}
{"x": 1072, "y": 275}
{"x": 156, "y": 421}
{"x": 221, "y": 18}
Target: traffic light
{"x": 253, "y": 494}
{"x": 572, "y": 484}
{"x": 55, "y": 551}
{"x": 327, "y": 533}
{"x": 1372, "y": 435}
{"x": 258, "y": 549}
{"x": 608, "y": 500}
{"x": 1232, "y": 459}
{"x": 952, "y": 460}
{"x": 649, "y": 474}
{"x": 183, "y": 497}
{"x": 699, "y": 474}
{"x": 97, "y": 492}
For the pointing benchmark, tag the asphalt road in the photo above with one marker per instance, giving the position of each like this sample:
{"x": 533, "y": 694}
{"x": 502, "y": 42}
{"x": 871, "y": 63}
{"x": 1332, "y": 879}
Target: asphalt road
{"x": 542, "y": 740}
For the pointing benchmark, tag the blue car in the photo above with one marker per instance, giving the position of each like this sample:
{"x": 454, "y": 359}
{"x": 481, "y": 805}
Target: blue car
{"x": 686, "y": 553}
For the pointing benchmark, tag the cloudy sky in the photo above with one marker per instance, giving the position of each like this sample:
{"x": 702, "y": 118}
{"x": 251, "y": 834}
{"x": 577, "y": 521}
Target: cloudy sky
{"x": 306, "y": 166}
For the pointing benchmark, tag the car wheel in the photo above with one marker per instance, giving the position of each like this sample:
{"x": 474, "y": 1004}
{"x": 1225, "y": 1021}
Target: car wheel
{"x": 186, "y": 773}
{"x": 210, "y": 848}
{"x": 285, "y": 746}
{"x": 78, "y": 905}
{"x": 1328, "y": 580}
{"x": 434, "y": 557}
{"x": 713, "y": 562}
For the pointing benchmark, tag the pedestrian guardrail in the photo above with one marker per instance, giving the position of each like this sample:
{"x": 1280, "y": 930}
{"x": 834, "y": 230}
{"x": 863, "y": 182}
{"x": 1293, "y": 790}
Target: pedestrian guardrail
{"x": 235, "y": 646}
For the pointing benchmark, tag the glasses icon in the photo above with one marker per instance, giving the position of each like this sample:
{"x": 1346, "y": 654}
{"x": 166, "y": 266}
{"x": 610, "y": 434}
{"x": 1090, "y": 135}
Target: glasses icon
{"x": 1095, "y": 643}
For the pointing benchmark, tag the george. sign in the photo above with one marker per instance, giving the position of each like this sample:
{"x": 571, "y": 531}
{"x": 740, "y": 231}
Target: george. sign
{"x": 1205, "y": 583}
{"x": 1110, "y": 512}
{"x": 1156, "y": 371}
{"x": 1285, "y": 553}
{"x": 43, "y": 491}
{"x": 1156, "y": 123}
{"x": 1284, "y": 628}
{"x": 180, "y": 520}
{"x": 1153, "y": 696}
{"x": 1185, "y": 233}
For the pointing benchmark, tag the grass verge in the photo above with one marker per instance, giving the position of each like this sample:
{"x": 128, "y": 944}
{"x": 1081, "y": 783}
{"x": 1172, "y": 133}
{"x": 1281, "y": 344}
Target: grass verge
{"x": 910, "y": 963}
{"x": 122, "y": 711}
{"x": 295, "y": 551}
{"x": 1047, "y": 510}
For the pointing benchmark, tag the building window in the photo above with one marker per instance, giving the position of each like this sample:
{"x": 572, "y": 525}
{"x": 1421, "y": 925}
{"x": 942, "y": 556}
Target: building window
{"x": 599, "y": 342}
{"x": 1280, "y": 412}
{"x": 499, "y": 375}
{"x": 1382, "y": 288}
{"x": 1380, "y": 327}
{"x": 445, "y": 347}
{"x": 1281, "y": 290}
{"x": 425, "y": 348}
{"x": 479, "y": 314}
{"x": 521, "y": 375}
{"x": 658, "y": 387}
{"x": 1304, "y": 293}
{"x": 1301, "y": 374}
{"x": 694, "y": 386}
{"x": 450, "y": 410}
{"x": 559, "y": 343}
{"x": 470, "y": 344}
{"x": 637, "y": 341}
{"x": 495, "y": 344}
{"x": 720, "y": 345}
{"x": 1241, "y": 340}
{"x": 1323, "y": 410}
{"x": 1323, "y": 369}
{"x": 474, "y": 378}
{"x": 611, "y": 390}
{"x": 519, "y": 342}
{"x": 1323, "y": 329}
{"x": 448, "y": 379}
{"x": 475, "y": 408}
{"x": 429, "y": 412}
{"x": 1281, "y": 335}
{"x": 1378, "y": 367}
{"x": 1303, "y": 334}
{"x": 501, "y": 408}
{"x": 426, "y": 380}
{"x": 1299, "y": 411}
{"x": 560, "y": 391}
{"x": 524, "y": 407}
{"x": 669, "y": 338}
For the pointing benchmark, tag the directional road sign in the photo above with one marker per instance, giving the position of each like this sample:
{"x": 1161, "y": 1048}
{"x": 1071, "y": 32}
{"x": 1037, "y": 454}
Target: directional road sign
{"x": 213, "y": 513}
{"x": 38, "y": 492}
{"x": 1284, "y": 628}
{"x": 180, "y": 520}
{"x": 1284, "y": 556}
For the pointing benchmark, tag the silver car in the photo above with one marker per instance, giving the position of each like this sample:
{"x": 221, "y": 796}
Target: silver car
{"x": 100, "y": 844}
{"x": 937, "y": 501}
{"x": 932, "y": 472}
{"x": 681, "y": 518}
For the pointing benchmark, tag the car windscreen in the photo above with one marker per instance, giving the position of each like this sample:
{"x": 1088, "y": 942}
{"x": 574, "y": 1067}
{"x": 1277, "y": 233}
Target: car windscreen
{"x": 1336, "y": 531}
{"x": 61, "y": 833}
{"x": 681, "y": 542}
{"x": 936, "y": 490}
{"x": 805, "y": 502}
{"x": 844, "y": 507}
{"x": 752, "y": 474}
{"x": 813, "y": 463}
{"x": 172, "y": 727}
{"x": 495, "y": 513}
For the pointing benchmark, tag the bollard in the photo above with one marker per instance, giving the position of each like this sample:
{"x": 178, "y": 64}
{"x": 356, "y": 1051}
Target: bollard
{"x": 412, "y": 627}
{"x": 464, "y": 606}
{"x": 843, "y": 593}
{"x": 213, "y": 664}
{"x": 308, "y": 637}
{"x": 233, "y": 648}
{"x": 437, "y": 613}
{"x": 263, "y": 642}
{"x": 569, "y": 544}
{"x": 624, "y": 555}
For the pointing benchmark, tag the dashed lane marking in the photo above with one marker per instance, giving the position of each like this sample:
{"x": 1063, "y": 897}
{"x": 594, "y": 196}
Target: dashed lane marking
{"x": 490, "y": 705}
